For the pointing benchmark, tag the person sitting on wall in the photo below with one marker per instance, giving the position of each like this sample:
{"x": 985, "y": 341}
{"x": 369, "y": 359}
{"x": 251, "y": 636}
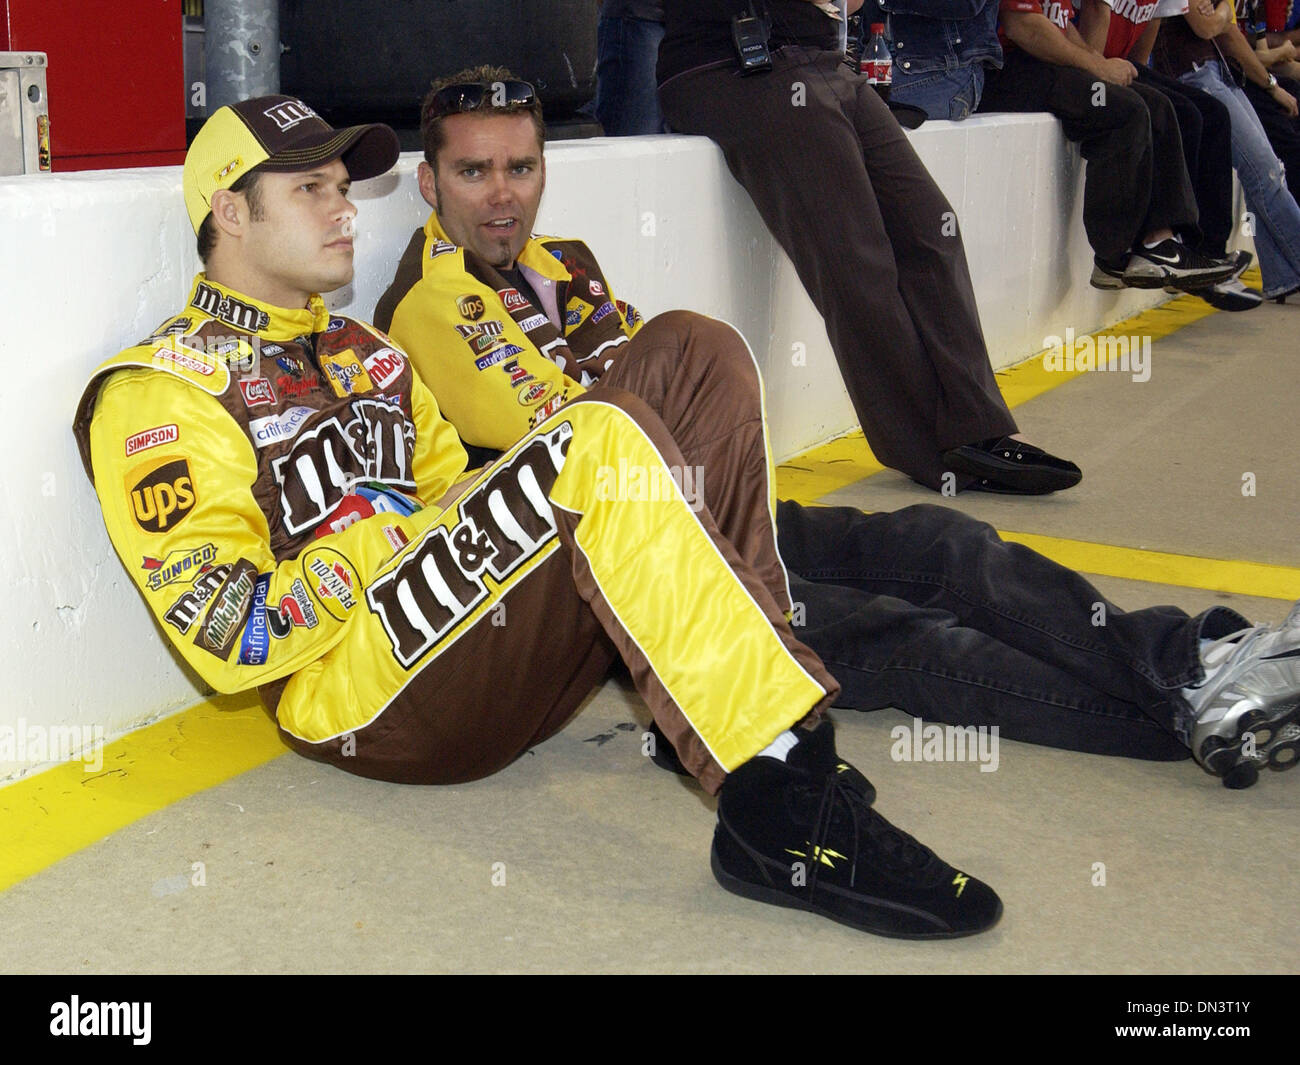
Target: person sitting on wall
{"x": 873, "y": 239}
{"x": 1137, "y": 193}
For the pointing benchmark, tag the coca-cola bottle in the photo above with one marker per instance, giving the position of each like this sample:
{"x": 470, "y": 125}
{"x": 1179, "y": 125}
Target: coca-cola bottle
{"x": 877, "y": 64}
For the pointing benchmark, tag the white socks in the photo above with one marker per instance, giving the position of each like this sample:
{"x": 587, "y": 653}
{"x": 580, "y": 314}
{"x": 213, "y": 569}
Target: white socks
{"x": 779, "y": 747}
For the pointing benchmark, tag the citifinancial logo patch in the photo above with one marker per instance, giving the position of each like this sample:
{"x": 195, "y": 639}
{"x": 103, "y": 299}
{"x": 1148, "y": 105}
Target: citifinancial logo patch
{"x": 162, "y": 494}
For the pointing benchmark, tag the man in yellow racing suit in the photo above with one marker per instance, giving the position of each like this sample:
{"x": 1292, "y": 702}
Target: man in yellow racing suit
{"x": 299, "y": 517}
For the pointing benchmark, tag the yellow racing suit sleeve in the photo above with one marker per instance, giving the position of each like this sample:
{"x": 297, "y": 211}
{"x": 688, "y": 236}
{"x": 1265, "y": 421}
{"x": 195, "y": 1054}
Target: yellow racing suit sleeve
{"x": 183, "y": 518}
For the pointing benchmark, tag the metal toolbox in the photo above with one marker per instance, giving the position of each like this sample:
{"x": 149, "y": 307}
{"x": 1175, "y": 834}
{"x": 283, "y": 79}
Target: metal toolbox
{"x": 24, "y": 114}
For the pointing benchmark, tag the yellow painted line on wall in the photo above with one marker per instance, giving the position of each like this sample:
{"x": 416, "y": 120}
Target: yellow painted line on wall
{"x": 49, "y": 815}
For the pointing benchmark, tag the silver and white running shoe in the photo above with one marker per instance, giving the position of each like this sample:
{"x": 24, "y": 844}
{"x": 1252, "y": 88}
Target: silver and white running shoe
{"x": 1247, "y": 714}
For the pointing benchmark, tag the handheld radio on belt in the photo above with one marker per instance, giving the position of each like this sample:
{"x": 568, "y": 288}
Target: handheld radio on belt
{"x": 749, "y": 33}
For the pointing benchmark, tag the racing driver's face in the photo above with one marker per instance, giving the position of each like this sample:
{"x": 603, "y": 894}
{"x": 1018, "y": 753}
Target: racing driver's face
{"x": 297, "y": 239}
{"x": 488, "y": 184}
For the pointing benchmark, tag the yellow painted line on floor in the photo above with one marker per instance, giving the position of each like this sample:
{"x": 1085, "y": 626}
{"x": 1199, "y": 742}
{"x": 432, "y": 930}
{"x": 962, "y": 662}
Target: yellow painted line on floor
{"x": 1159, "y": 567}
{"x": 847, "y": 459}
{"x": 50, "y": 815}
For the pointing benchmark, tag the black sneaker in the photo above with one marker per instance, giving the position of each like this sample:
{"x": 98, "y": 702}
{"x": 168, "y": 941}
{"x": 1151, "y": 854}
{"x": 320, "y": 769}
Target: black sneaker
{"x": 1175, "y": 265}
{"x": 802, "y": 834}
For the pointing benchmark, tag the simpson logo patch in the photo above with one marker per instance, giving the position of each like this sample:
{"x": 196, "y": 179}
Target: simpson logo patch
{"x": 184, "y": 358}
{"x": 143, "y": 441}
{"x": 161, "y": 494}
{"x": 471, "y": 307}
{"x": 441, "y": 247}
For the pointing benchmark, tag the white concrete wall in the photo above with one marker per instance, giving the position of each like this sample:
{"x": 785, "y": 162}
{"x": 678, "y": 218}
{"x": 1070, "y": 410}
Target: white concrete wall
{"x": 91, "y": 262}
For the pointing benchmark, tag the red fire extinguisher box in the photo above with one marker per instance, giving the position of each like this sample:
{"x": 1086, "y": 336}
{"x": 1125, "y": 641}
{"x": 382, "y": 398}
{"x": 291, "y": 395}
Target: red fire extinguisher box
{"x": 116, "y": 78}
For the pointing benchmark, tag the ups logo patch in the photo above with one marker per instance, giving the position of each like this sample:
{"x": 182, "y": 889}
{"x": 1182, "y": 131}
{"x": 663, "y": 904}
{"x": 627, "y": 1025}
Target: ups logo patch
{"x": 162, "y": 494}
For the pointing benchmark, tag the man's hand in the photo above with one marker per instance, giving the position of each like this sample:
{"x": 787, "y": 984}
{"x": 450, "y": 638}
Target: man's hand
{"x": 1116, "y": 71}
{"x": 1285, "y": 100}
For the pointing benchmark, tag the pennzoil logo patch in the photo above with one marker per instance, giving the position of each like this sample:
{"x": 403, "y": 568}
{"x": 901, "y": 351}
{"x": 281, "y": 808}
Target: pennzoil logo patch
{"x": 161, "y": 494}
{"x": 332, "y": 579}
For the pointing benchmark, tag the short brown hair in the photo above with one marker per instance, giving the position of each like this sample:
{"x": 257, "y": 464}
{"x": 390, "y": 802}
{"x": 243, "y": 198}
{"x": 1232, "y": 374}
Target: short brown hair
{"x": 431, "y": 125}
{"x": 248, "y": 185}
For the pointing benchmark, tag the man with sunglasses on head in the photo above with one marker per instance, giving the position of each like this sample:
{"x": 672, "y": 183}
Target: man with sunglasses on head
{"x": 924, "y": 609}
{"x": 299, "y": 518}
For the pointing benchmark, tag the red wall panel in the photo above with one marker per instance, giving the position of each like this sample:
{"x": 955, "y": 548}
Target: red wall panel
{"x": 116, "y": 77}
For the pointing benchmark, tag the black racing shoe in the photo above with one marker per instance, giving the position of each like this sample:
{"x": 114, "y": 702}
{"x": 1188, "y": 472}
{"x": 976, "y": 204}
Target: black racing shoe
{"x": 802, "y": 834}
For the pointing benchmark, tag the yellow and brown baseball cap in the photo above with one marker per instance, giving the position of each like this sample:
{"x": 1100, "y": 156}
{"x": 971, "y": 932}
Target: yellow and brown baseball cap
{"x": 281, "y": 134}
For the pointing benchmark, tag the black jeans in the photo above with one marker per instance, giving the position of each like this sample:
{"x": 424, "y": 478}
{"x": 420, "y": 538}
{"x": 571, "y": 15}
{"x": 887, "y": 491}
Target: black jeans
{"x": 930, "y": 611}
{"x": 1206, "y": 134}
{"x": 1136, "y": 180}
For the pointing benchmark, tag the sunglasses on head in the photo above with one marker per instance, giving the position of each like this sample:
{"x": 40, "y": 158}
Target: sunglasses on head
{"x": 473, "y": 95}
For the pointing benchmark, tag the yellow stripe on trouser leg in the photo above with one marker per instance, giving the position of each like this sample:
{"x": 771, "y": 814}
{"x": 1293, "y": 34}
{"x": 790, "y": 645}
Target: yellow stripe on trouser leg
{"x": 704, "y": 635}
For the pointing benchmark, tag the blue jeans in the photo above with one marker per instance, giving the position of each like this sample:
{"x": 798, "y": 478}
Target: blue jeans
{"x": 941, "y": 94}
{"x": 627, "y": 102}
{"x": 930, "y": 611}
{"x": 1263, "y": 179}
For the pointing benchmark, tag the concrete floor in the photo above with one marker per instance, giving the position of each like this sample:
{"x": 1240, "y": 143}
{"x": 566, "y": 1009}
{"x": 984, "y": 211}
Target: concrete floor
{"x": 583, "y": 857}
